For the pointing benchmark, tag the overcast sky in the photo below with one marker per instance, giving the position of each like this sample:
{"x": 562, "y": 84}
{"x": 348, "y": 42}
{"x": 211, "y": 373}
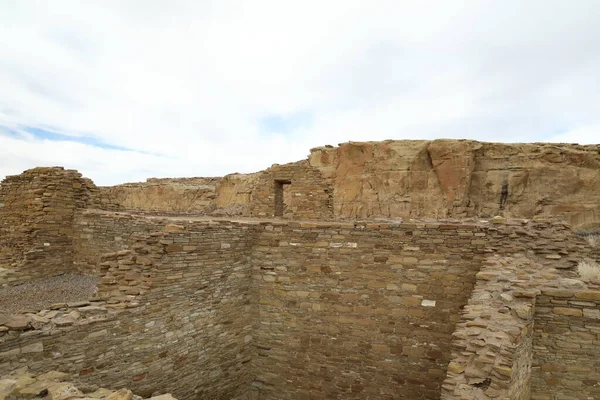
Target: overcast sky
{"x": 125, "y": 90}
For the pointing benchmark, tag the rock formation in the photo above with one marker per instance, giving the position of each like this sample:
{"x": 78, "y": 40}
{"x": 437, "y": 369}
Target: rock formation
{"x": 397, "y": 179}
{"x": 178, "y": 195}
{"x": 460, "y": 178}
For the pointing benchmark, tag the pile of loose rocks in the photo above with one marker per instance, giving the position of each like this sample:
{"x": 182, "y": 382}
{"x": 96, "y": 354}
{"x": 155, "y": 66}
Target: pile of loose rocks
{"x": 53, "y": 385}
{"x": 56, "y": 316}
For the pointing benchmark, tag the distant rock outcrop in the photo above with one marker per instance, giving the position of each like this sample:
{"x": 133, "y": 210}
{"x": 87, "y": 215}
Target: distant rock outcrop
{"x": 395, "y": 179}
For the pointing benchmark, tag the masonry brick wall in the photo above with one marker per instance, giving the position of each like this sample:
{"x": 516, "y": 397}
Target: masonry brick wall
{"x": 290, "y": 310}
{"x": 173, "y": 316}
{"x": 307, "y": 197}
{"x": 36, "y": 220}
{"x": 96, "y": 232}
{"x": 567, "y": 344}
{"x": 360, "y": 311}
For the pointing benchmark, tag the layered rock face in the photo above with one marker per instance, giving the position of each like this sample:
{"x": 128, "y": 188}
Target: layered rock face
{"x": 393, "y": 179}
{"x": 192, "y": 195}
{"x": 461, "y": 178}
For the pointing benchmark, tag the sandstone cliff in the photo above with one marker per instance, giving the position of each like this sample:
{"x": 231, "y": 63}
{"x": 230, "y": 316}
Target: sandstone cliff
{"x": 191, "y": 195}
{"x": 397, "y": 179}
{"x": 460, "y": 178}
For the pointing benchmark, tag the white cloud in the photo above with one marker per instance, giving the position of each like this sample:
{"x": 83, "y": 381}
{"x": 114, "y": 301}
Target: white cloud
{"x": 191, "y": 80}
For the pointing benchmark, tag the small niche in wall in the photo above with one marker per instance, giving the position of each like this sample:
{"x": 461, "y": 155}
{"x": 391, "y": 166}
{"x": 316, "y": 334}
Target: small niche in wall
{"x": 281, "y": 185}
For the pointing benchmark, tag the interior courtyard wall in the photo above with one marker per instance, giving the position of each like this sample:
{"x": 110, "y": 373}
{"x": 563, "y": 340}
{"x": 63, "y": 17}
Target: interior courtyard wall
{"x": 567, "y": 344}
{"x": 361, "y": 311}
{"x": 173, "y": 316}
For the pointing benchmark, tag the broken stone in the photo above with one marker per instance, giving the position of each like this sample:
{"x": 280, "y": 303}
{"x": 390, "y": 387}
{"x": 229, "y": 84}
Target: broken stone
{"x": 122, "y": 394}
{"x": 17, "y": 323}
{"x": 63, "y": 391}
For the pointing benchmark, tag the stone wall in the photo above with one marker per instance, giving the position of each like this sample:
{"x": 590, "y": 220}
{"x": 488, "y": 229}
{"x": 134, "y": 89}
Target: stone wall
{"x": 22, "y": 384}
{"x": 96, "y": 232}
{"x": 516, "y": 336}
{"x": 361, "y": 311}
{"x": 172, "y": 315}
{"x": 567, "y": 344}
{"x": 300, "y": 189}
{"x": 492, "y": 345}
{"x": 290, "y": 310}
{"x": 36, "y": 221}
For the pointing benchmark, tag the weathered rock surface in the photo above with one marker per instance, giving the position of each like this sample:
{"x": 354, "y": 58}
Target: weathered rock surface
{"x": 459, "y": 178}
{"x": 22, "y": 384}
{"x": 400, "y": 179}
{"x": 178, "y": 195}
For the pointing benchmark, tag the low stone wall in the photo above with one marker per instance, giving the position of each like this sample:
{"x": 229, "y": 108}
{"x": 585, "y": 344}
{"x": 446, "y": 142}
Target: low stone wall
{"x": 53, "y": 385}
{"x": 567, "y": 343}
{"x": 96, "y": 232}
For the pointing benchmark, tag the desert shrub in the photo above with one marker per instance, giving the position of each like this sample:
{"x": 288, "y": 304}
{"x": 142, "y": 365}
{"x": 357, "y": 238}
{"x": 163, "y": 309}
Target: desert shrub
{"x": 588, "y": 270}
{"x": 593, "y": 240}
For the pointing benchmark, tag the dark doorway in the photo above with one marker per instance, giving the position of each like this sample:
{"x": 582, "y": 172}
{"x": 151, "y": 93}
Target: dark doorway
{"x": 280, "y": 186}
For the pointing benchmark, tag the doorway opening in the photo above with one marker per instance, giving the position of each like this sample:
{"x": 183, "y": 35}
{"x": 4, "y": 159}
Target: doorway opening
{"x": 280, "y": 186}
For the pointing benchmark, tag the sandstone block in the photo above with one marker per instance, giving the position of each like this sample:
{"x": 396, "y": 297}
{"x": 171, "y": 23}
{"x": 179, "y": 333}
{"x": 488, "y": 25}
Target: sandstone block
{"x": 576, "y": 312}
{"x": 588, "y": 295}
{"x": 63, "y": 391}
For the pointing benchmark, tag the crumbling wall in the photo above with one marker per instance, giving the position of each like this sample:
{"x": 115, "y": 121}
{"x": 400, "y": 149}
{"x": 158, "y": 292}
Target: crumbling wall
{"x": 36, "y": 222}
{"x": 492, "y": 346}
{"x": 96, "y": 232}
{"x": 503, "y": 335}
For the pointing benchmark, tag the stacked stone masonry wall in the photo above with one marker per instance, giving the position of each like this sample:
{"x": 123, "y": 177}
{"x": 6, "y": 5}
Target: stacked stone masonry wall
{"x": 360, "y": 311}
{"x": 298, "y": 310}
{"x": 36, "y": 222}
{"x": 172, "y": 315}
{"x": 307, "y": 197}
{"x": 567, "y": 344}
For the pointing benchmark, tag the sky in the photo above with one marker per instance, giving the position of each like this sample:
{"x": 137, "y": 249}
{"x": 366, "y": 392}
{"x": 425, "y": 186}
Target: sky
{"x": 128, "y": 90}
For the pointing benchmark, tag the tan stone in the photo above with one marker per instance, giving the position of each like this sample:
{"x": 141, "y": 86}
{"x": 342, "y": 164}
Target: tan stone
{"x": 588, "y": 295}
{"x": 18, "y": 322}
{"x": 167, "y": 396}
{"x": 576, "y": 312}
{"x": 63, "y": 391}
{"x": 122, "y": 394}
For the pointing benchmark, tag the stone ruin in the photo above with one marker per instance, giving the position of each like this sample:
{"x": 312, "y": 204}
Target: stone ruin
{"x": 392, "y": 270}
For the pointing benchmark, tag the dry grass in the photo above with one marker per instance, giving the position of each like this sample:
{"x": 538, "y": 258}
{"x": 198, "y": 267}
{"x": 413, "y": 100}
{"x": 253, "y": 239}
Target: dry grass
{"x": 588, "y": 270}
{"x": 593, "y": 240}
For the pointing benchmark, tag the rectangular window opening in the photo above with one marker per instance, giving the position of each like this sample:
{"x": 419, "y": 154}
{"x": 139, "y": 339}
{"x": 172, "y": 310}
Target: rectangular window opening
{"x": 280, "y": 186}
